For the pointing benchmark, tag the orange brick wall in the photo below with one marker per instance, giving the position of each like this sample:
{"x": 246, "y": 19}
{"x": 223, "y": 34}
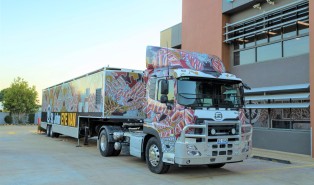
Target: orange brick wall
{"x": 311, "y": 5}
{"x": 202, "y": 28}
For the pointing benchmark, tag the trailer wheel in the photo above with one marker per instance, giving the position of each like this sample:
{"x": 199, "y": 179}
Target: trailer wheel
{"x": 154, "y": 157}
{"x": 54, "y": 134}
{"x": 48, "y": 128}
{"x": 105, "y": 147}
{"x": 51, "y": 134}
{"x": 218, "y": 165}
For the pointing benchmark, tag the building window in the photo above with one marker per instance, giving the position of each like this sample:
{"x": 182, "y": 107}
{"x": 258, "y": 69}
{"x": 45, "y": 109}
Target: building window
{"x": 269, "y": 52}
{"x": 249, "y": 41}
{"x": 260, "y": 53}
{"x": 236, "y": 58}
{"x": 261, "y": 38}
{"x": 296, "y": 46}
{"x": 285, "y": 118}
{"x": 257, "y": 117}
{"x": 239, "y": 44}
{"x": 270, "y": 35}
{"x": 303, "y": 27}
{"x": 289, "y": 30}
{"x": 274, "y": 34}
{"x": 244, "y": 57}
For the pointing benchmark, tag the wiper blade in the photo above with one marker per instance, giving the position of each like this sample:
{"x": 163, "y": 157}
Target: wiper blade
{"x": 182, "y": 94}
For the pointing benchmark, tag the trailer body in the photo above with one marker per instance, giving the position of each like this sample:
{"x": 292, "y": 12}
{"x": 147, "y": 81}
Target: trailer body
{"x": 108, "y": 94}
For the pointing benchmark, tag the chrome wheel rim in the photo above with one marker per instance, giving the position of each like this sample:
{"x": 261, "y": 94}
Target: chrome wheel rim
{"x": 103, "y": 143}
{"x": 154, "y": 155}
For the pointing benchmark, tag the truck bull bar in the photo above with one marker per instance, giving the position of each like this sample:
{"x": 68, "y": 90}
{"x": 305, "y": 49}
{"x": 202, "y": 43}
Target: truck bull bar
{"x": 244, "y": 131}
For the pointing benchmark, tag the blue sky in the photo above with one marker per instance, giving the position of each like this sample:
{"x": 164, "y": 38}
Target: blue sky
{"x": 50, "y": 41}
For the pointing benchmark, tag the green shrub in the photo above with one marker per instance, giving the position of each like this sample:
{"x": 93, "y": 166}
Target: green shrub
{"x": 8, "y": 119}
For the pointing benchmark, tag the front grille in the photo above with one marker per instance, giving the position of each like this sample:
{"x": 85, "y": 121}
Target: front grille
{"x": 223, "y": 129}
{"x": 221, "y": 149}
{"x": 222, "y": 141}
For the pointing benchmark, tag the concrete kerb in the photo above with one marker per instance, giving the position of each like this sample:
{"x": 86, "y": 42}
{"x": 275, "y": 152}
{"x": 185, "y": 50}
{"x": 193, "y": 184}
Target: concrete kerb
{"x": 271, "y": 159}
{"x": 20, "y": 124}
{"x": 281, "y": 157}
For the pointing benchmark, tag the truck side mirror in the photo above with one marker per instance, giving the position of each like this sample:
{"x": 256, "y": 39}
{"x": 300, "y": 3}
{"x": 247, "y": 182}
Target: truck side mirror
{"x": 164, "y": 99}
{"x": 246, "y": 86}
{"x": 242, "y": 95}
{"x": 164, "y": 86}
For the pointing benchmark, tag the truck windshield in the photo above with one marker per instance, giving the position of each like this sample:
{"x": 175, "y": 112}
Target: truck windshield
{"x": 200, "y": 92}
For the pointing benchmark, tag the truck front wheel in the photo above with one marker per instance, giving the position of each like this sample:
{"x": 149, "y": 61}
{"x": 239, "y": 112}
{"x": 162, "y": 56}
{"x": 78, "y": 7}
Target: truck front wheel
{"x": 154, "y": 157}
{"x": 105, "y": 147}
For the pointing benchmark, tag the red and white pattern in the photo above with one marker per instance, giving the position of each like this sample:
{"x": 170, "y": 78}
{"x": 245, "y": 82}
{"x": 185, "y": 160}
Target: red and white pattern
{"x": 158, "y": 57}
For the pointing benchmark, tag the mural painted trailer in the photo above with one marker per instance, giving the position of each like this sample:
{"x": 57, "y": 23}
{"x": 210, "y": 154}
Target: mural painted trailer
{"x": 183, "y": 109}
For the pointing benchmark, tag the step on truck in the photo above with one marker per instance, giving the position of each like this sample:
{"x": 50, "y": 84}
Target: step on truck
{"x": 184, "y": 109}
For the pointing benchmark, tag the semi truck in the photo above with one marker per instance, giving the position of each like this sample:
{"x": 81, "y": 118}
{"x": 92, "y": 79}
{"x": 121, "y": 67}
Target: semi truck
{"x": 183, "y": 109}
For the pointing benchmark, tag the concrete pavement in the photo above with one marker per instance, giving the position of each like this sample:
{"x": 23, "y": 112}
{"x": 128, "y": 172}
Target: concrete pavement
{"x": 27, "y": 157}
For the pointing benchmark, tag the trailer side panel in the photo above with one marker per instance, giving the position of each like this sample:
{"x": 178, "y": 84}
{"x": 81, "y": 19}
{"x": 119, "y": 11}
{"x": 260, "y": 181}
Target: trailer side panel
{"x": 124, "y": 95}
{"x": 64, "y": 103}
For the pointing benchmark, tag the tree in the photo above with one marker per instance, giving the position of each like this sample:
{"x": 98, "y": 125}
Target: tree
{"x": 20, "y": 98}
{"x": 2, "y": 94}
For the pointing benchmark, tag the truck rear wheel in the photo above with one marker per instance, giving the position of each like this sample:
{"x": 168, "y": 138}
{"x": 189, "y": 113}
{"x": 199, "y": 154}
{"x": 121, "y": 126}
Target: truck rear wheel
{"x": 154, "y": 157}
{"x": 218, "y": 165}
{"x": 116, "y": 152}
{"x": 105, "y": 147}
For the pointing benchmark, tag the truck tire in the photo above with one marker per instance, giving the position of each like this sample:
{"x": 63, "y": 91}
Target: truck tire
{"x": 50, "y": 131}
{"x": 105, "y": 147}
{"x": 116, "y": 152}
{"x": 48, "y": 128}
{"x": 154, "y": 157}
{"x": 218, "y": 165}
{"x": 53, "y": 134}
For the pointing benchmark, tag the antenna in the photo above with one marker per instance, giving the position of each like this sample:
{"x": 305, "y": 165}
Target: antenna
{"x": 180, "y": 54}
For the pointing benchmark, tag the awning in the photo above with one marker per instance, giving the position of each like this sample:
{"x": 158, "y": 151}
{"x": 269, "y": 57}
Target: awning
{"x": 287, "y": 88}
{"x": 277, "y": 106}
{"x": 300, "y": 96}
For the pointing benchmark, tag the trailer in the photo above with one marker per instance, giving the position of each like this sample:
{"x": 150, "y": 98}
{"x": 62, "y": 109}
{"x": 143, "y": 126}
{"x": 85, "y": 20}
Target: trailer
{"x": 183, "y": 109}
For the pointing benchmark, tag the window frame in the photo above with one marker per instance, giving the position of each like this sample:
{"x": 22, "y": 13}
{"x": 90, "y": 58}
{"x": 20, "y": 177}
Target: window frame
{"x": 277, "y": 19}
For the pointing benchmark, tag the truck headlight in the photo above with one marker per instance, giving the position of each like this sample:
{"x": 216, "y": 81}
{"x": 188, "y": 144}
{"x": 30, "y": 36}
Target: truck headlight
{"x": 194, "y": 153}
{"x": 192, "y": 150}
